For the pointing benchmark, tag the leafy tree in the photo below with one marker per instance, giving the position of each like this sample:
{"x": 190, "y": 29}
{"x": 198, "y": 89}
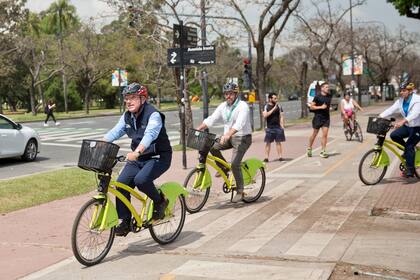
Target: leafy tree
{"x": 60, "y": 19}
{"x": 409, "y": 8}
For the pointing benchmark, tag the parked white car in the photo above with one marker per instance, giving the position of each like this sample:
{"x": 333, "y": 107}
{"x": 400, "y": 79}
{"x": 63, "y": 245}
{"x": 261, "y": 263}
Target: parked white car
{"x": 17, "y": 140}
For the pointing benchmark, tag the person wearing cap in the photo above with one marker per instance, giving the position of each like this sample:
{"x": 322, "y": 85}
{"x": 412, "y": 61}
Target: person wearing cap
{"x": 235, "y": 116}
{"x": 409, "y": 127}
{"x": 151, "y": 152}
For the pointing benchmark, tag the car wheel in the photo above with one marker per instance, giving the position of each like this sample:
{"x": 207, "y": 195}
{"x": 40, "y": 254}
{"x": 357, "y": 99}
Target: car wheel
{"x": 31, "y": 151}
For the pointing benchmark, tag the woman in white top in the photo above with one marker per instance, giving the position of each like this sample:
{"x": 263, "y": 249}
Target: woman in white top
{"x": 347, "y": 106}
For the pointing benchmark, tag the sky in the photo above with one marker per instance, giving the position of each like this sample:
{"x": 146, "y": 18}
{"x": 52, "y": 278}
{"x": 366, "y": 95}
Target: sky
{"x": 377, "y": 12}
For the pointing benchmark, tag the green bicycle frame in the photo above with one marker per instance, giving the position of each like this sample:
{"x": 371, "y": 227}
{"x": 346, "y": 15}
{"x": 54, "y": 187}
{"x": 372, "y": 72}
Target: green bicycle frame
{"x": 108, "y": 216}
{"x": 249, "y": 169}
{"x": 383, "y": 159}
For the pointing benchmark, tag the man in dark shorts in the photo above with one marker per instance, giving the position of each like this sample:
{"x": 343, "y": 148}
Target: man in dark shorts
{"x": 273, "y": 112}
{"x": 320, "y": 106}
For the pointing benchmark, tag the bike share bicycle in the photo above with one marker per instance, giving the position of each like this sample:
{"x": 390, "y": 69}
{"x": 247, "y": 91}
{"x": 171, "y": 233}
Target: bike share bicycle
{"x": 374, "y": 163}
{"x": 93, "y": 229}
{"x": 353, "y": 129}
{"x": 198, "y": 182}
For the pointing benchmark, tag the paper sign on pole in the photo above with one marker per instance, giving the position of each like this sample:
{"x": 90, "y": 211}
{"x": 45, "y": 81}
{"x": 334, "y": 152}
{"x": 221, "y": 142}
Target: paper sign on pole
{"x": 118, "y": 80}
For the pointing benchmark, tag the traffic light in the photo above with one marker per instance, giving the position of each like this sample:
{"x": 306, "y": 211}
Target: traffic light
{"x": 247, "y": 74}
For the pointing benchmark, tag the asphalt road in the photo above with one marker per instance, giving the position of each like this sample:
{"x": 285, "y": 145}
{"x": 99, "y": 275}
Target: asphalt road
{"x": 61, "y": 144}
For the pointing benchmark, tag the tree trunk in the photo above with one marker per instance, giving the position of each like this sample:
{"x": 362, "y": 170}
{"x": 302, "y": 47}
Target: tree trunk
{"x": 260, "y": 71}
{"x": 41, "y": 94}
{"x": 303, "y": 86}
{"x": 63, "y": 75}
{"x": 87, "y": 100}
{"x": 32, "y": 97}
{"x": 159, "y": 89}
{"x": 1, "y": 105}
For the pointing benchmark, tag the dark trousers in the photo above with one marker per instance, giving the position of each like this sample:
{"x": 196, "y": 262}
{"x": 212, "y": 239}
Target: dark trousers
{"x": 413, "y": 134}
{"x": 240, "y": 145}
{"x": 50, "y": 114}
{"x": 142, "y": 173}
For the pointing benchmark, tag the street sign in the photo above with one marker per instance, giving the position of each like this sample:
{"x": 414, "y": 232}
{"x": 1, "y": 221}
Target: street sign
{"x": 200, "y": 55}
{"x": 119, "y": 78}
{"x": 188, "y": 38}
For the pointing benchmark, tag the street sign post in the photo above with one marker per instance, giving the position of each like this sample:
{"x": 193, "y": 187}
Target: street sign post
{"x": 186, "y": 35}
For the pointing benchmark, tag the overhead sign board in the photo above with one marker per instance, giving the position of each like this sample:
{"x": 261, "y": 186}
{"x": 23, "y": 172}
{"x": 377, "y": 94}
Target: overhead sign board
{"x": 200, "y": 55}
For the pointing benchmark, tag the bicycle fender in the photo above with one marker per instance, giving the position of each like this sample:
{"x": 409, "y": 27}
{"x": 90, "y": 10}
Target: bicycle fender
{"x": 249, "y": 169}
{"x": 172, "y": 190}
{"x": 383, "y": 159}
{"x": 108, "y": 217}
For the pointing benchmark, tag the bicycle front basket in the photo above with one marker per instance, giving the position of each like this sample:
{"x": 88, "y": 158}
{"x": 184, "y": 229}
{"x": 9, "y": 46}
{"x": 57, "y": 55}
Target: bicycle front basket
{"x": 98, "y": 156}
{"x": 200, "y": 140}
{"x": 378, "y": 126}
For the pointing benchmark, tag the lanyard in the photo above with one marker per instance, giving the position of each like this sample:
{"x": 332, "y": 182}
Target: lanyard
{"x": 229, "y": 115}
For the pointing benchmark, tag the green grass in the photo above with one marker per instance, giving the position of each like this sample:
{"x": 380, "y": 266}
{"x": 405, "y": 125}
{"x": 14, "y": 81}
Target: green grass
{"x": 44, "y": 187}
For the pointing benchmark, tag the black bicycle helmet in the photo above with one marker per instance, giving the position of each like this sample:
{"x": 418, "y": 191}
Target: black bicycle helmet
{"x": 135, "y": 88}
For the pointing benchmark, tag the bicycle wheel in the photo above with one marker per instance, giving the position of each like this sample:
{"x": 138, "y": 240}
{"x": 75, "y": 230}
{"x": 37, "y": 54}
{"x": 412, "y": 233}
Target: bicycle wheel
{"x": 168, "y": 229}
{"x": 197, "y": 197}
{"x": 358, "y": 132}
{"x": 368, "y": 173}
{"x": 255, "y": 189}
{"x": 346, "y": 132}
{"x": 89, "y": 244}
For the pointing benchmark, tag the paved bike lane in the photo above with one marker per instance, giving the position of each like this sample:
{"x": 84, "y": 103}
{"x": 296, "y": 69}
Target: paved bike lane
{"x": 28, "y": 246}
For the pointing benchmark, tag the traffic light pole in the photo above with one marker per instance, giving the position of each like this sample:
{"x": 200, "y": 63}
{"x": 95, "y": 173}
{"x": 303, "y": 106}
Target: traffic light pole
{"x": 251, "y": 106}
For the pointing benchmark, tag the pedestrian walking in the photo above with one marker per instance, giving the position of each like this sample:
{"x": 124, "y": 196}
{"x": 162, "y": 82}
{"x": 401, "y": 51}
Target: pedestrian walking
{"x": 273, "y": 113}
{"x": 49, "y": 110}
{"x": 320, "y": 106}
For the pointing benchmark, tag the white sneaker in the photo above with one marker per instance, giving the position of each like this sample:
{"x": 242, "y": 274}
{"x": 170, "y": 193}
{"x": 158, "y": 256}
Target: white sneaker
{"x": 238, "y": 197}
{"x": 45, "y": 124}
{"x": 57, "y": 123}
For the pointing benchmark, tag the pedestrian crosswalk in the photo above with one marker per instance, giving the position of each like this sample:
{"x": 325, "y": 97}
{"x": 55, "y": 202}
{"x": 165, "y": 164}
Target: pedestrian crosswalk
{"x": 249, "y": 228}
{"x": 72, "y": 137}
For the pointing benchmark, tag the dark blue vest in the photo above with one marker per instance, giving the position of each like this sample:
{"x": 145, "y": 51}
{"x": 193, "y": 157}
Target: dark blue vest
{"x": 161, "y": 143}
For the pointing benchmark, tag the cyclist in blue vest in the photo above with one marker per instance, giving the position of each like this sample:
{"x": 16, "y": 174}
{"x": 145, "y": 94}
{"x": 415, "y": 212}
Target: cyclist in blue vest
{"x": 146, "y": 128}
{"x": 409, "y": 127}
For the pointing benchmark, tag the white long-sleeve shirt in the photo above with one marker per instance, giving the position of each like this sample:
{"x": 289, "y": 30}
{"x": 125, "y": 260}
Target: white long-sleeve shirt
{"x": 413, "y": 115}
{"x": 238, "y": 119}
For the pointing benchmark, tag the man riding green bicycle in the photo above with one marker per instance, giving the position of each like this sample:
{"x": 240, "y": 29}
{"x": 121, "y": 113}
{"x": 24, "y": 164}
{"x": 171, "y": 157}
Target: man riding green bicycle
{"x": 409, "y": 107}
{"x": 237, "y": 133}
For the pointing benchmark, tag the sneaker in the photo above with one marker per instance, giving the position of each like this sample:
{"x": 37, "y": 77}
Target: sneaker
{"x": 281, "y": 159}
{"x": 159, "y": 209}
{"x": 324, "y": 154}
{"x": 45, "y": 124}
{"x": 309, "y": 152}
{"x": 238, "y": 197}
{"x": 265, "y": 160}
{"x": 57, "y": 123}
{"x": 123, "y": 228}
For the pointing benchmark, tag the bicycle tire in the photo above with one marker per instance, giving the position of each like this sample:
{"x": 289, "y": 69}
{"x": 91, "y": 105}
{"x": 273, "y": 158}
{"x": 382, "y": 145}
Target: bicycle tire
{"x": 80, "y": 251}
{"x": 178, "y": 214}
{"x": 347, "y": 134}
{"x": 251, "y": 198}
{"x": 363, "y": 171}
{"x": 197, "y": 197}
{"x": 359, "y": 132}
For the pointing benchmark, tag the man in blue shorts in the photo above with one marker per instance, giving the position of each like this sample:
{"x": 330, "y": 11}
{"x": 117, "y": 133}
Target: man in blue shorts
{"x": 274, "y": 115}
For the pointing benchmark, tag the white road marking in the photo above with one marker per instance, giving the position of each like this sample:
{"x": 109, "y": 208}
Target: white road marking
{"x": 261, "y": 235}
{"x": 235, "y": 216}
{"x": 320, "y": 234}
{"x": 248, "y": 271}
